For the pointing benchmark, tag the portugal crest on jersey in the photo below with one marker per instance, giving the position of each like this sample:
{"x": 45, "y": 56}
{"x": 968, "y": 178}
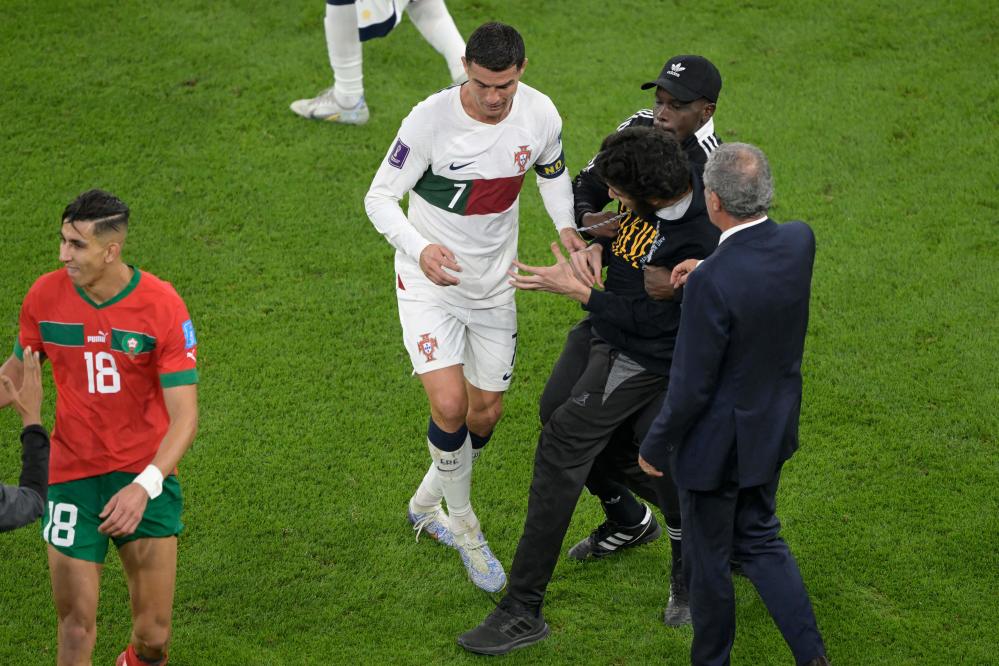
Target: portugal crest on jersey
{"x": 427, "y": 345}
{"x": 521, "y": 158}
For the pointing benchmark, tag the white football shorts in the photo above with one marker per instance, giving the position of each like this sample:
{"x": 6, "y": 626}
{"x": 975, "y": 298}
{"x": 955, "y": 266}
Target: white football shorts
{"x": 438, "y": 335}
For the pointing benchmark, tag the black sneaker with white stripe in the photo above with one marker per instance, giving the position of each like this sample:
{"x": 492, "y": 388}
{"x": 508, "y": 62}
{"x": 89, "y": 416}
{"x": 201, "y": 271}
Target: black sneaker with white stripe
{"x": 611, "y": 538}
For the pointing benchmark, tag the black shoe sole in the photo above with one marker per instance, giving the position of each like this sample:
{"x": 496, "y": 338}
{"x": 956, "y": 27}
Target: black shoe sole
{"x": 523, "y": 641}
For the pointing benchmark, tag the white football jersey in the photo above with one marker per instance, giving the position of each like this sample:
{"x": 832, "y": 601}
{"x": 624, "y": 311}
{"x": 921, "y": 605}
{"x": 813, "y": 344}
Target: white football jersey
{"x": 464, "y": 179}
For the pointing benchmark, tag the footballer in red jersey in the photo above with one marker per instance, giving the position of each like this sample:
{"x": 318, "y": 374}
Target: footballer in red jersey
{"x": 123, "y": 353}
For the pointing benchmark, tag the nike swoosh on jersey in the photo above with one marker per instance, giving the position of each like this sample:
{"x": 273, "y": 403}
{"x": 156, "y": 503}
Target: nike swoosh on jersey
{"x": 507, "y": 376}
{"x": 454, "y": 167}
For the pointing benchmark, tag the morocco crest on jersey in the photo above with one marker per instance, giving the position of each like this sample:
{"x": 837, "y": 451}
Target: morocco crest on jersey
{"x": 427, "y": 345}
{"x": 521, "y": 158}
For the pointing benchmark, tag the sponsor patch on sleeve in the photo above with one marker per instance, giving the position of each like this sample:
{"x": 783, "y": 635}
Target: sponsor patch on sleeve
{"x": 400, "y": 152}
{"x": 552, "y": 169}
{"x": 189, "y": 339}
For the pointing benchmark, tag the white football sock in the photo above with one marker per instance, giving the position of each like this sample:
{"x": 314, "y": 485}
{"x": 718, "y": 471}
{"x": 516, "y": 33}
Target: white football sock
{"x": 454, "y": 472}
{"x": 428, "y": 496}
{"x": 434, "y": 22}
{"x": 344, "y": 46}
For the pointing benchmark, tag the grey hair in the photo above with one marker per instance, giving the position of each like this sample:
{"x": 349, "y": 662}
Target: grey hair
{"x": 740, "y": 175}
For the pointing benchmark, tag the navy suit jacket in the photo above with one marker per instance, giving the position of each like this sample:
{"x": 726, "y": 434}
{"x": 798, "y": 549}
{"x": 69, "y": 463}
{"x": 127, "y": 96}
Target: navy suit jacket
{"x": 734, "y": 395}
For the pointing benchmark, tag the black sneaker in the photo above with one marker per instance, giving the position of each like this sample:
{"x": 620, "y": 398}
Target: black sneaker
{"x": 610, "y": 538}
{"x": 507, "y": 628}
{"x": 677, "y": 613}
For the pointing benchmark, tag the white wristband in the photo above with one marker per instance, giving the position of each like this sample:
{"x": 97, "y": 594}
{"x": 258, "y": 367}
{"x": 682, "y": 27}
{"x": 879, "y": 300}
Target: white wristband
{"x": 151, "y": 481}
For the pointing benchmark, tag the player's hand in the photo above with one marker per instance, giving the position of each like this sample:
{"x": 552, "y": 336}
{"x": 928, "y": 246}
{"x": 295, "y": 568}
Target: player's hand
{"x": 658, "y": 282}
{"x": 605, "y": 231}
{"x": 27, "y": 400}
{"x": 123, "y": 512}
{"x": 682, "y": 271}
{"x": 588, "y": 265}
{"x": 558, "y": 279}
{"x": 571, "y": 240}
{"x": 434, "y": 259}
{"x": 647, "y": 467}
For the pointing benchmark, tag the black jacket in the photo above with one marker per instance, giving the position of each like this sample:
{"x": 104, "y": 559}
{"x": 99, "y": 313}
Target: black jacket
{"x": 624, "y": 315}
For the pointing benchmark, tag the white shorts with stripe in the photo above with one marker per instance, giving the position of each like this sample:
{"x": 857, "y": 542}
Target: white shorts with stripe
{"x": 438, "y": 335}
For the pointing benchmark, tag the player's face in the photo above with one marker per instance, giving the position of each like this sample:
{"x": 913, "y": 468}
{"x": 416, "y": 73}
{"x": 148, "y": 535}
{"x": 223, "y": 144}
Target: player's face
{"x": 680, "y": 118}
{"x": 83, "y": 254}
{"x": 488, "y": 95}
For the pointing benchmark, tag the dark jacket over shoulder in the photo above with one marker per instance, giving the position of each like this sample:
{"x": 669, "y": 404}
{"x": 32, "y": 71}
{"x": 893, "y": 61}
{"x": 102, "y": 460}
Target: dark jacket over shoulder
{"x": 25, "y": 504}
{"x": 735, "y": 385}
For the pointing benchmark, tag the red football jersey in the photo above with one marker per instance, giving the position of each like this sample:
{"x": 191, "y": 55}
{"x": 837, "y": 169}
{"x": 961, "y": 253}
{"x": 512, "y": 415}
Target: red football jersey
{"x": 111, "y": 363}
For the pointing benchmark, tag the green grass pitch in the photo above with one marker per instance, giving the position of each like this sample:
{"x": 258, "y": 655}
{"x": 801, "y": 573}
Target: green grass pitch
{"x": 880, "y": 120}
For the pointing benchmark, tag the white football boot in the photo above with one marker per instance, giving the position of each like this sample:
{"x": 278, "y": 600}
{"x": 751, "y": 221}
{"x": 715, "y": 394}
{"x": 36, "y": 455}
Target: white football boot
{"x": 434, "y": 523}
{"x": 324, "y": 106}
{"x": 484, "y": 570}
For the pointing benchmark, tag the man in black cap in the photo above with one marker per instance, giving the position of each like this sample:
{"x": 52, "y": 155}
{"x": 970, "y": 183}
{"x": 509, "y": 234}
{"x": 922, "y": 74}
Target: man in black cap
{"x": 686, "y": 93}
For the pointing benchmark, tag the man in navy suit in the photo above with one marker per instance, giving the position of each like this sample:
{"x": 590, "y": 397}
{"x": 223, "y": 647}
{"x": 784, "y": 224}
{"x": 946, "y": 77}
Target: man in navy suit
{"x": 731, "y": 414}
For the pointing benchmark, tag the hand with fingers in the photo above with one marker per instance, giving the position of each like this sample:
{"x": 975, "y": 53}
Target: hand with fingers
{"x": 434, "y": 259}
{"x": 658, "y": 283}
{"x": 123, "y": 512}
{"x": 588, "y": 265}
{"x": 558, "y": 279}
{"x": 682, "y": 271}
{"x": 27, "y": 400}
{"x": 647, "y": 467}
{"x": 571, "y": 240}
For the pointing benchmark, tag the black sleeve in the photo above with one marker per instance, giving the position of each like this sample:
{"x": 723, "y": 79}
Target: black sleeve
{"x": 589, "y": 191}
{"x": 589, "y": 194}
{"x": 35, "y": 459}
{"x": 639, "y": 315}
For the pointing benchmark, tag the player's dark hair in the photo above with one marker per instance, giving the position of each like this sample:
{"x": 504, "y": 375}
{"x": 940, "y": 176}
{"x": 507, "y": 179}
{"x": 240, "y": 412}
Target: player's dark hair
{"x": 644, "y": 163}
{"x": 495, "y": 46}
{"x": 105, "y": 210}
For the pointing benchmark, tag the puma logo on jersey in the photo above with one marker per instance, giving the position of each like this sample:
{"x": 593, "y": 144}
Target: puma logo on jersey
{"x": 100, "y": 337}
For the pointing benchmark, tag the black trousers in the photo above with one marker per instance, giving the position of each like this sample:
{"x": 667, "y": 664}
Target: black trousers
{"x": 617, "y": 464}
{"x": 741, "y": 523}
{"x": 609, "y": 390}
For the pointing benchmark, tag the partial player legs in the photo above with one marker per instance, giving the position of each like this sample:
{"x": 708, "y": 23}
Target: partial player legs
{"x": 151, "y": 568}
{"x": 450, "y": 476}
{"x": 434, "y": 22}
{"x": 75, "y": 590}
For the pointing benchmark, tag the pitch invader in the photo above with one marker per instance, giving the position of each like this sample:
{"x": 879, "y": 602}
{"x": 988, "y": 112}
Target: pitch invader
{"x": 462, "y": 155}
{"x": 123, "y": 354}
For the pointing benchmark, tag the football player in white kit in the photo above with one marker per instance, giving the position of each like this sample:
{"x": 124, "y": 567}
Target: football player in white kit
{"x": 462, "y": 155}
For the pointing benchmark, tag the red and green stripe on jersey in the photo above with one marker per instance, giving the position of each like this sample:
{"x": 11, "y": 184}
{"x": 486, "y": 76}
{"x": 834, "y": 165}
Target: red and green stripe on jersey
{"x": 478, "y": 196}
{"x": 111, "y": 362}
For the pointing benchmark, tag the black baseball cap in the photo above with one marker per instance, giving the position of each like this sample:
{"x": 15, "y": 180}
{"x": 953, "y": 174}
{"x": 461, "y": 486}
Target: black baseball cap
{"x": 688, "y": 77}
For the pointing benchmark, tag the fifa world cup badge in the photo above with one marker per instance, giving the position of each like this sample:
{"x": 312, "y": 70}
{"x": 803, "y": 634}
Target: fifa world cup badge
{"x": 521, "y": 157}
{"x": 427, "y": 345}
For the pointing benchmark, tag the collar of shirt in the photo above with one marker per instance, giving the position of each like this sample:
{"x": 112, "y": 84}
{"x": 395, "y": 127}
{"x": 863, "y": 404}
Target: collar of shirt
{"x": 705, "y": 130}
{"x": 739, "y": 227}
{"x": 677, "y": 210}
